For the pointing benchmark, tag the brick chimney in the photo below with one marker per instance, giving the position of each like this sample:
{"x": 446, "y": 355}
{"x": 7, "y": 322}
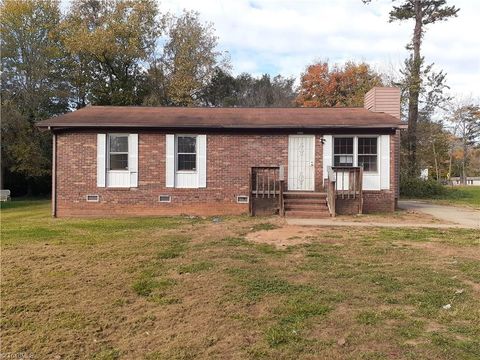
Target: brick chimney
{"x": 383, "y": 99}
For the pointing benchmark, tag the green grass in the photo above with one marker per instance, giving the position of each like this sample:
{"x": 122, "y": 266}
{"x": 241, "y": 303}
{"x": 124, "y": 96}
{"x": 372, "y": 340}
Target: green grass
{"x": 195, "y": 267}
{"x": 263, "y": 226}
{"x": 460, "y": 195}
{"x": 26, "y": 221}
{"x": 179, "y": 288}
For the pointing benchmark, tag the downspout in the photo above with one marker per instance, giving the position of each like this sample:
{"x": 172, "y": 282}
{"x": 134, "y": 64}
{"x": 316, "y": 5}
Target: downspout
{"x": 54, "y": 175}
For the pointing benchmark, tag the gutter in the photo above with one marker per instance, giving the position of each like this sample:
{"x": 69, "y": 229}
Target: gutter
{"x": 219, "y": 127}
{"x": 54, "y": 174}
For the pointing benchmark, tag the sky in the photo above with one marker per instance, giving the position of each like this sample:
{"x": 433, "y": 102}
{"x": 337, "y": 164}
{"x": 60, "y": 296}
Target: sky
{"x": 284, "y": 36}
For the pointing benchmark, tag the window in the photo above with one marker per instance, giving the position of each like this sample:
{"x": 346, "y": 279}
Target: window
{"x": 343, "y": 151}
{"x": 367, "y": 153}
{"x": 118, "y": 152}
{"x": 186, "y": 153}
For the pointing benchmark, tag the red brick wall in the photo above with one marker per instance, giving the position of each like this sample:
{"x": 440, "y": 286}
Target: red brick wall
{"x": 385, "y": 200}
{"x": 229, "y": 159}
{"x": 378, "y": 201}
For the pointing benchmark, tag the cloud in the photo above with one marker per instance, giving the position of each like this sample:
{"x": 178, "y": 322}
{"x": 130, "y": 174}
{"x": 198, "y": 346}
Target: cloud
{"x": 283, "y": 36}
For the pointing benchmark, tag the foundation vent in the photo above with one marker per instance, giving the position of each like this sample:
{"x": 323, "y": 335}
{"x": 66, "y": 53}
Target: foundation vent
{"x": 164, "y": 198}
{"x": 93, "y": 198}
{"x": 242, "y": 199}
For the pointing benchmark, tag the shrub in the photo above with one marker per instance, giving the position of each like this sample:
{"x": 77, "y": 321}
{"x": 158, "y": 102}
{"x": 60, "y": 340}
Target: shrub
{"x": 419, "y": 188}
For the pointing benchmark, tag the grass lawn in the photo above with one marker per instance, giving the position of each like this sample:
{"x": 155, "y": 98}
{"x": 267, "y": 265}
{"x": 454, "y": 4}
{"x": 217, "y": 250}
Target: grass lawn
{"x": 182, "y": 288}
{"x": 461, "y": 195}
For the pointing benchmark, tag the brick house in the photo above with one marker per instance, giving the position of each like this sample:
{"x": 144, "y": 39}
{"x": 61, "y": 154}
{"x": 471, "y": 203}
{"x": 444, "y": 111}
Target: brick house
{"x": 308, "y": 162}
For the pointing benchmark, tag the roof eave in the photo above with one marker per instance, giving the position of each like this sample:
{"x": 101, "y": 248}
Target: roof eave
{"x": 220, "y": 127}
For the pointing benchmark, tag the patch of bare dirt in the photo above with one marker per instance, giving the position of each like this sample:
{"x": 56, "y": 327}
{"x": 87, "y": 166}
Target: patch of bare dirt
{"x": 444, "y": 250}
{"x": 475, "y": 286}
{"x": 288, "y": 235}
{"x": 401, "y": 216}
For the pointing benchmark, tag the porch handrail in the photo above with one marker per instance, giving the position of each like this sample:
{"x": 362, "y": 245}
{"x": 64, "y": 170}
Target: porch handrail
{"x": 331, "y": 191}
{"x": 281, "y": 198}
{"x": 267, "y": 182}
{"x": 347, "y": 184}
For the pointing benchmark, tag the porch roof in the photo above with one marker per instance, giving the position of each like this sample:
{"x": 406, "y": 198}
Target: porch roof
{"x": 221, "y": 118}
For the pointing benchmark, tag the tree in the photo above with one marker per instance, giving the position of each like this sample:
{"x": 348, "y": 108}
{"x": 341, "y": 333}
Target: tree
{"x": 264, "y": 91}
{"x": 434, "y": 148}
{"x": 221, "y": 90}
{"x": 322, "y": 85}
{"x": 423, "y": 12}
{"x": 246, "y": 90}
{"x": 188, "y": 62}
{"x": 33, "y": 83}
{"x": 108, "y": 41}
{"x": 466, "y": 120}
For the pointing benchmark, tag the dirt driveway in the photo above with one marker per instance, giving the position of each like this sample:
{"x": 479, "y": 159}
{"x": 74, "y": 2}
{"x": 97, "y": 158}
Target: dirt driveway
{"x": 462, "y": 216}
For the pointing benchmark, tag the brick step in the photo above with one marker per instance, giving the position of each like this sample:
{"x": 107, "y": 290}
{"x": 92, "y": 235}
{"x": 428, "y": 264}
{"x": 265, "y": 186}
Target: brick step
{"x": 295, "y": 194}
{"x": 302, "y": 201}
{"x": 306, "y": 207}
{"x": 307, "y": 214}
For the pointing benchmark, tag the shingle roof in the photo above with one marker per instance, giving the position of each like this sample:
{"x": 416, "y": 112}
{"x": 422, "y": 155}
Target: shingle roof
{"x": 211, "y": 118}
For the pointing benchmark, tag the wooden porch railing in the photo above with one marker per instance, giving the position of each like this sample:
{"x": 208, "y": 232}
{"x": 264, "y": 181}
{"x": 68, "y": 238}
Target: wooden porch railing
{"x": 267, "y": 182}
{"x": 344, "y": 182}
{"x": 331, "y": 191}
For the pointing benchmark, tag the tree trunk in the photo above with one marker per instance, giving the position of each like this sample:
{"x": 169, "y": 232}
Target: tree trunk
{"x": 29, "y": 188}
{"x": 464, "y": 163}
{"x": 414, "y": 92}
{"x": 449, "y": 175}
{"x": 2, "y": 176}
{"x": 436, "y": 162}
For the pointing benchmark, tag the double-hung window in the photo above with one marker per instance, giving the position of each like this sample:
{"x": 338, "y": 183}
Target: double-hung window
{"x": 118, "y": 151}
{"x": 356, "y": 151}
{"x": 343, "y": 151}
{"x": 367, "y": 153}
{"x": 117, "y": 160}
{"x": 186, "y": 153}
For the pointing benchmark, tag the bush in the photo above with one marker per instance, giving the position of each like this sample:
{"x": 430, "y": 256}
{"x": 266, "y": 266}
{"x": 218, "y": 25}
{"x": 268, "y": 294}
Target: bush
{"x": 419, "y": 188}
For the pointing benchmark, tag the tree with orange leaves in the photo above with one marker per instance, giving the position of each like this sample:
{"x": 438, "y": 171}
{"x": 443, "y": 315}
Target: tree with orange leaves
{"x": 322, "y": 85}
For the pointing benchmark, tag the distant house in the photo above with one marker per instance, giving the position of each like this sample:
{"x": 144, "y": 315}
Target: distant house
{"x": 303, "y": 162}
{"x": 470, "y": 180}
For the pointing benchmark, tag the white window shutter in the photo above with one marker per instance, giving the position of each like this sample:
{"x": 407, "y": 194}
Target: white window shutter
{"x": 327, "y": 154}
{"x": 170, "y": 160}
{"x": 133, "y": 159}
{"x": 101, "y": 161}
{"x": 385, "y": 162}
{"x": 202, "y": 160}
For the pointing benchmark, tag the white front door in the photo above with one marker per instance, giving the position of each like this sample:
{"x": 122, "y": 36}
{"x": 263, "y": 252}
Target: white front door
{"x": 301, "y": 162}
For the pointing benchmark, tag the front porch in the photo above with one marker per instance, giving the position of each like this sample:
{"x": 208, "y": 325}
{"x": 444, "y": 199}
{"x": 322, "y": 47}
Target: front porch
{"x": 342, "y": 194}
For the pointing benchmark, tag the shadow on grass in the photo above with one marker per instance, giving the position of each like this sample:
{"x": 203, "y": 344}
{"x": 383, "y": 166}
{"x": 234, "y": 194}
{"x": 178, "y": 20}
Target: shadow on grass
{"x": 16, "y": 203}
